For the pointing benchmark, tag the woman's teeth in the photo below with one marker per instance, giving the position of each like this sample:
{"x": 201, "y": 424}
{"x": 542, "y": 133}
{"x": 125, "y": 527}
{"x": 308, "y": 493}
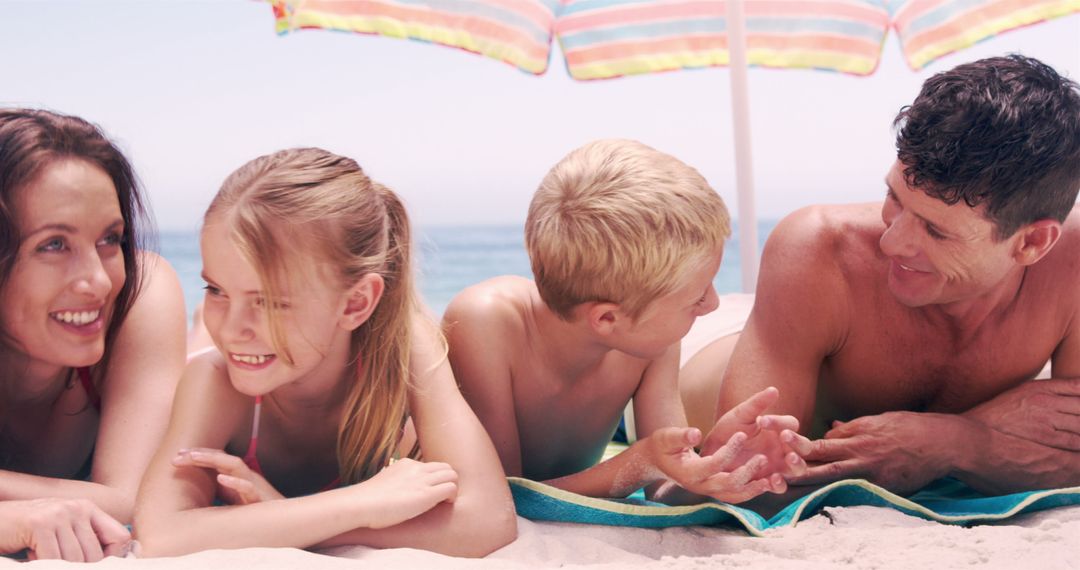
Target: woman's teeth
{"x": 77, "y": 318}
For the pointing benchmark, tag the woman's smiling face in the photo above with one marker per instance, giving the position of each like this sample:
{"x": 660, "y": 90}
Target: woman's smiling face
{"x": 59, "y": 298}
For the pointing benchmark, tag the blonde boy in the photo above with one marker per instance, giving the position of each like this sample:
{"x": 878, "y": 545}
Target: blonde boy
{"x": 624, "y": 242}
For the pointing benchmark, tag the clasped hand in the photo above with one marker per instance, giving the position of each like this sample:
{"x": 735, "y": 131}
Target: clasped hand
{"x": 745, "y": 454}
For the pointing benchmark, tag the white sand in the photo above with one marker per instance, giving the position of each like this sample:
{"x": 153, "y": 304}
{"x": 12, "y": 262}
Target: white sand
{"x": 859, "y": 537}
{"x": 856, "y": 537}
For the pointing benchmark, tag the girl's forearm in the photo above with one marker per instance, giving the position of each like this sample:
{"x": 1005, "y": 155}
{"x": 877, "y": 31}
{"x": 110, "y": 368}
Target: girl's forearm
{"x": 297, "y": 522}
{"x": 466, "y": 528}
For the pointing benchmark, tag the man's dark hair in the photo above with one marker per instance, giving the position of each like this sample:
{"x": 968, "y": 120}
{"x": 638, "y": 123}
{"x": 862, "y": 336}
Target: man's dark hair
{"x": 1004, "y": 131}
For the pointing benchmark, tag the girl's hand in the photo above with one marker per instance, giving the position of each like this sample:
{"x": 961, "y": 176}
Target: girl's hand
{"x": 405, "y": 489}
{"x": 238, "y": 484}
{"x": 75, "y": 530}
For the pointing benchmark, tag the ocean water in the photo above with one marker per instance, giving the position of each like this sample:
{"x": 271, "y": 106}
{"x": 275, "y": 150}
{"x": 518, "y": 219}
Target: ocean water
{"x": 449, "y": 259}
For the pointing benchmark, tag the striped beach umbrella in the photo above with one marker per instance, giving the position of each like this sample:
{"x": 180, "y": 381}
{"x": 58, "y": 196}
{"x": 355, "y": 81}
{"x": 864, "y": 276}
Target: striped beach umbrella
{"x": 602, "y": 39}
{"x": 611, "y": 38}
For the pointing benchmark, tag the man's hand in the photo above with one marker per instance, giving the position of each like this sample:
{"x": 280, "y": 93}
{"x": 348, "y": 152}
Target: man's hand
{"x": 238, "y": 484}
{"x": 75, "y": 530}
{"x": 766, "y": 434}
{"x": 1046, "y": 412}
{"x": 901, "y": 451}
{"x": 720, "y": 475}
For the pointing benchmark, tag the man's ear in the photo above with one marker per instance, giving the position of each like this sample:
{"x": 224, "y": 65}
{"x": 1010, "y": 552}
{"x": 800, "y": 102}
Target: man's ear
{"x": 1035, "y": 241}
{"x": 361, "y": 300}
{"x": 602, "y": 317}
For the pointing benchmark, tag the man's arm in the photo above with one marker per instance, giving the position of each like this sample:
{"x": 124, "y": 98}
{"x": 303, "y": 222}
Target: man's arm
{"x": 798, "y": 319}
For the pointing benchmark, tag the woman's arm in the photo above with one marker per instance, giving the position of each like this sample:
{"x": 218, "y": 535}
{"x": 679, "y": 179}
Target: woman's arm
{"x": 147, "y": 359}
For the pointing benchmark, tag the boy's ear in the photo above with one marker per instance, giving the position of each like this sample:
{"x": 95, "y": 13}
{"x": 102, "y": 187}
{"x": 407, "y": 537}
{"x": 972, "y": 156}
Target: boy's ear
{"x": 602, "y": 317}
{"x": 1035, "y": 240}
{"x": 361, "y": 300}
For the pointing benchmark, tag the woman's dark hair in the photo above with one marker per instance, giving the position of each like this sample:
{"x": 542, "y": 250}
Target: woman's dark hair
{"x": 30, "y": 141}
{"x": 1002, "y": 131}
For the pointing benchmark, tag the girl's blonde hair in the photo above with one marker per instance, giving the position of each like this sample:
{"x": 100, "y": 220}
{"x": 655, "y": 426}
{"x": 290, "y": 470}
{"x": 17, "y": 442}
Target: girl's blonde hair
{"x": 311, "y": 202}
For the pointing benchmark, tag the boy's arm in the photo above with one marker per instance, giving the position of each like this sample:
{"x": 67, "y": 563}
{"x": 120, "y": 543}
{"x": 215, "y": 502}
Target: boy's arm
{"x": 478, "y": 328}
{"x": 666, "y": 450}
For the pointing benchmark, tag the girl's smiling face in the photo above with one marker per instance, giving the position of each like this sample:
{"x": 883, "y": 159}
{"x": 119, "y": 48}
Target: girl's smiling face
{"x": 309, "y": 308}
{"x": 59, "y": 297}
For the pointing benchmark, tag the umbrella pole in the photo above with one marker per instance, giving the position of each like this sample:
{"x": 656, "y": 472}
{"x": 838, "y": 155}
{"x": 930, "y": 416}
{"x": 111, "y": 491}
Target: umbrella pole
{"x": 744, "y": 176}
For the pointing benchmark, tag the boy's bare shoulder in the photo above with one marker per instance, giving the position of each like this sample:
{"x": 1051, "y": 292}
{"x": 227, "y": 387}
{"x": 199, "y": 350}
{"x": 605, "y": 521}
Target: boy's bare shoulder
{"x": 500, "y": 302}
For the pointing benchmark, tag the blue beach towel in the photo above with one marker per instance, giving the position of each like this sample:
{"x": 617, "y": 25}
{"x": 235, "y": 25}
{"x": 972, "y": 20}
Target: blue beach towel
{"x": 946, "y": 501}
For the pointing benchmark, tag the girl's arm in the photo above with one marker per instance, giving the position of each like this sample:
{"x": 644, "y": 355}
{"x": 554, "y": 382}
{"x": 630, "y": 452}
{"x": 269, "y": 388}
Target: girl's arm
{"x": 147, "y": 360}
{"x": 481, "y": 519}
{"x": 174, "y": 513}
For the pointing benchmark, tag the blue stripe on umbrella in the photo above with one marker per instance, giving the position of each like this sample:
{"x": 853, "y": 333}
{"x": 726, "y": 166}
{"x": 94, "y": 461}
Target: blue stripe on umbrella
{"x": 575, "y": 40}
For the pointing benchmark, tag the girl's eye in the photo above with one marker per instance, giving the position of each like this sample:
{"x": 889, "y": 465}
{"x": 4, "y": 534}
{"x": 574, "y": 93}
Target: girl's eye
{"x": 52, "y": 245}
{"x": 211, "y": 290}
{"x": 260, "y": 302}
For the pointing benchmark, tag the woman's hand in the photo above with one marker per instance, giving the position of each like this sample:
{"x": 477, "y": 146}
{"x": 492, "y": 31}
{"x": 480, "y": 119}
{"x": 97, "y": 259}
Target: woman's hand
{"x": 75, "y": 530}
{"x": 405, "y": 489}
{"x": 238, "y": 484}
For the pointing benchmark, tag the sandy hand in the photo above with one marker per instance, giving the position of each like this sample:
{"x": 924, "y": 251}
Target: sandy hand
{"x": 721, "y": 475}
{"x": 75, "y": 530}
{"x": 405, "y": 489}
{"x": 774, "y": 436}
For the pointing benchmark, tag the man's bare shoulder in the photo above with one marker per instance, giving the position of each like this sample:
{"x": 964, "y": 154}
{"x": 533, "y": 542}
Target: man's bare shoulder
{"x": 825, "y": 240}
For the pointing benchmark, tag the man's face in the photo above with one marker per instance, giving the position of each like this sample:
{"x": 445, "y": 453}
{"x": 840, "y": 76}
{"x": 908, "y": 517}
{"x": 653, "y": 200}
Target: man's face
{"x": 938, "y": 253}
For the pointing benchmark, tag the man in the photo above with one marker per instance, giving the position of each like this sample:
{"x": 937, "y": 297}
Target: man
{"x": 908, "y": 333}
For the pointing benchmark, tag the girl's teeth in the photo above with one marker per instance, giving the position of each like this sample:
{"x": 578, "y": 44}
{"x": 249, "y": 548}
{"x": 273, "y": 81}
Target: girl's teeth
{"x": 250, "y": 358}
{"x": 77, "y": 318}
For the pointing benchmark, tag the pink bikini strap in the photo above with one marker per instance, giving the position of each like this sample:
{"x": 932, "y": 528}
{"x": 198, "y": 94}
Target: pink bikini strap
{"x": 251, "y": 458}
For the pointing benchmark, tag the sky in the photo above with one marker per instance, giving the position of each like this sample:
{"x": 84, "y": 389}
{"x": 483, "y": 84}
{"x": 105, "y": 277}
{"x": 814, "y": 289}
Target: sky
{"x": 191, "y": 90}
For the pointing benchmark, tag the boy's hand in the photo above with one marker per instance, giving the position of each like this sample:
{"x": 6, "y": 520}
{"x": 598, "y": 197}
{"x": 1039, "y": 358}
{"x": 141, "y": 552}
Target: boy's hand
{"x": 768, "y": 435}
{"x": 238, "y": 484}
{"x": 405, "y": 489}
{"x": 719, "y": 475}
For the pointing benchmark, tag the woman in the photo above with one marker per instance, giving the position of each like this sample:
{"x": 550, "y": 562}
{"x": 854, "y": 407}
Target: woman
{"x": 91, "y": 339}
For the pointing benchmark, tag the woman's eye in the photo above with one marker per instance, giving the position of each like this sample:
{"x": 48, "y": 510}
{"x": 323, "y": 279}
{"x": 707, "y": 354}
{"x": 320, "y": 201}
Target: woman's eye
{"x": 52, "y": 245}
{"x": 112, "y": 239}
{"x": 211, "y": 290}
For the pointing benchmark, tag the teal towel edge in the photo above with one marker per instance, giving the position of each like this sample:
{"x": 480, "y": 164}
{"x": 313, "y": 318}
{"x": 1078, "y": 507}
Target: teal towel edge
{"x": 538, "y": 501}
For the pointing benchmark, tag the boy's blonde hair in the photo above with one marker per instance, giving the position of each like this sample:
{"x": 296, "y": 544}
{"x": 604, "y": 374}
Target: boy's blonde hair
{"x": 310, "y": 202}
{"x": 617, "y": 221}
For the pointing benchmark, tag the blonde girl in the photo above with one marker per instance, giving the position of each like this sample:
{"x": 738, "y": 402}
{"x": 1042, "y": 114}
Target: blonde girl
{"x": 324, "y": 364}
